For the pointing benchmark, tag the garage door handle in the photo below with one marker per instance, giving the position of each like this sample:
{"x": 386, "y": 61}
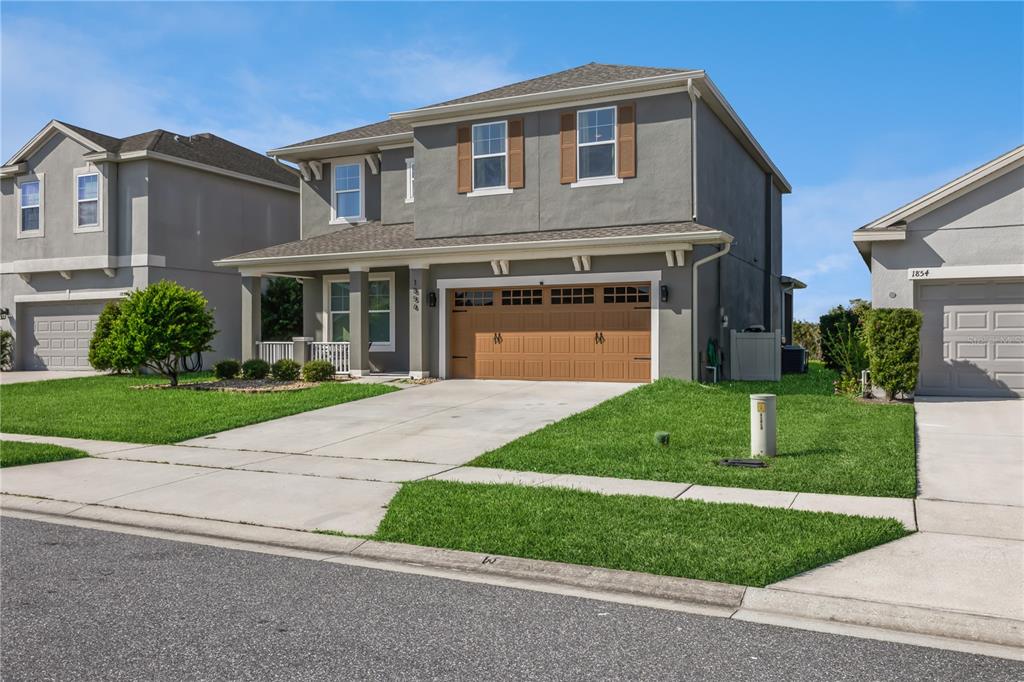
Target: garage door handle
{"x": 460, "y": 357}
{"x": 643, "y": 358}
{"x": 602, "y": 337}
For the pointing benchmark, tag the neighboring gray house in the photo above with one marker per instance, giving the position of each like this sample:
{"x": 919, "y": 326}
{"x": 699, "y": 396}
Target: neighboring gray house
{"x": 86, "y": 218}
{"x": 957, "y": 255}
{"x": 564, "y": 227}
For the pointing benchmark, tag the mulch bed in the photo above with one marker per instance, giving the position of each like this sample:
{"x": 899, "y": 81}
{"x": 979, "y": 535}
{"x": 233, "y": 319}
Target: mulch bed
{"x": 237, "y": 386}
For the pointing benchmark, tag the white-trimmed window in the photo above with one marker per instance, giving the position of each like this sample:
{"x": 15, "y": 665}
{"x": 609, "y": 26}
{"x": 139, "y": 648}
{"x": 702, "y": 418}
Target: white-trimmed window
{"x": 347, "y": 200}
{"x": 30, "y": 207}
{"x": 87, "y": 201}
{"x": 490, "y": 155}
{"x": 410, "y": 180}
{"x": 380, "y": 301}
{"x": 595, "y": 143}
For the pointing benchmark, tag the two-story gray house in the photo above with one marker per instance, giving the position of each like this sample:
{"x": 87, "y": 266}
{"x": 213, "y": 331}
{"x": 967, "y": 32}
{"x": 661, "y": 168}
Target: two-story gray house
{"x": 600, "y": 223}
{"x": 957, "y": 255}
{"x": 85, "y": 218}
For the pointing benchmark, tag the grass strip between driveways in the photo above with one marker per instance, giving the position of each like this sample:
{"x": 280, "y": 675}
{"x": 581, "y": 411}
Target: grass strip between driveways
{"x": 14, "y": 453}
{"x": 108, "y": 408}
{"x": 731, "y": 543}
{"x": 826, "y": 443}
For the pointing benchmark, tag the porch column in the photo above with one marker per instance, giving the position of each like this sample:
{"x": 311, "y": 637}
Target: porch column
{"x": 419, "y": 320}
{"x": 359, "y": 321}
{"x": 313, "y": 325}
{"x": 252, "y": 291}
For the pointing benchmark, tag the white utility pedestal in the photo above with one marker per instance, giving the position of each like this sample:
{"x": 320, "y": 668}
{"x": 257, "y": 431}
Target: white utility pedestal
{"x": 762, "y": 425}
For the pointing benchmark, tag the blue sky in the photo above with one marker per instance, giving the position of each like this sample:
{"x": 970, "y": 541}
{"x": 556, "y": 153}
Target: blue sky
{"x": 863, "y": 106}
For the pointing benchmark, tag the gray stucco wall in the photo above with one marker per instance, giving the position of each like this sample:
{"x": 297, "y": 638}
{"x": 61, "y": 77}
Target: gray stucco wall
{"x": 659, "y": 193}
{"x": 315, "y": 199}
{"x": 983, "y": 227}
{"x": 393, "y": 206}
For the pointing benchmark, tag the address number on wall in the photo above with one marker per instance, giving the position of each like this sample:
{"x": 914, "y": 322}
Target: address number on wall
{"x": 919, "y": 273}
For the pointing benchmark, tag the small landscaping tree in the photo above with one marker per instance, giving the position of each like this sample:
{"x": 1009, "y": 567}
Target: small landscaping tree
{"x": 894, "y": 349}
{"x": 808, "y": 335}
{"x": 161, "y": 325}
{"x": 105, "y": 354}
{"x": 281, "y": 309}
{"x": 6, "y": 349}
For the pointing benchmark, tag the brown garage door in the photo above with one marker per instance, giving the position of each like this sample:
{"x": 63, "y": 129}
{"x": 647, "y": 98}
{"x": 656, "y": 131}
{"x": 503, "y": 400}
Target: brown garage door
{"x": 578, "y": 333}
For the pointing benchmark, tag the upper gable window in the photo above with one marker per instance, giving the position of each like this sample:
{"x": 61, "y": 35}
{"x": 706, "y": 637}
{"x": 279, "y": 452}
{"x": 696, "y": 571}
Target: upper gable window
{"x": 595, "y": 142}
{"x": 490, "y": 160}
{"x": 348, "y": 193}
{"x": 87, "y": 200}
{"x": 30, "y": 207}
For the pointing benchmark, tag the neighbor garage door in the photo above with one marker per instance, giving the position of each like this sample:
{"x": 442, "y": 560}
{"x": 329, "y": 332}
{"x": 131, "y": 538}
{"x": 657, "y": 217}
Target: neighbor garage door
{"x": 59, "y": 335}
{"x": 972, "y": 338}
{"x": 578, "y": 333}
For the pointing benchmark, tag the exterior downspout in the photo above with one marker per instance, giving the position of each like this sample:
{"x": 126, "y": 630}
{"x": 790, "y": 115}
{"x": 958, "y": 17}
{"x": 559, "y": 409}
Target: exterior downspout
{"x": 693, "y": 147}
{"x": 694, "y": 310}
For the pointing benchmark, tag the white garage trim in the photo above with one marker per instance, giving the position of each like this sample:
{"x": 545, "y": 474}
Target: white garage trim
{"x": 652, "y": 276}
{"x": 966, "y": 272}
{"x": 70, "y": 295}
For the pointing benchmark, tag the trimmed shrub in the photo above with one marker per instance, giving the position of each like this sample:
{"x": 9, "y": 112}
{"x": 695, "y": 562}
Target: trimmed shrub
{"x": 159, "y": 327}
{"x": 894, "y": 349}
{"x": 286, "y": 369}
{"x": 255, "y": 369}
{"x": 318, "y": 370}
{"x": 226, "y": 369}
{"x": 6, "y": 349}
{"x": 105, "y": 354}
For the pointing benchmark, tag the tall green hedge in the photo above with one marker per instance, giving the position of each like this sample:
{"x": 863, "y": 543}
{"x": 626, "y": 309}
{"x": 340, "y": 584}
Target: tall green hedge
{"x": 835, "y": 328}
{"x": 893, "y": 342}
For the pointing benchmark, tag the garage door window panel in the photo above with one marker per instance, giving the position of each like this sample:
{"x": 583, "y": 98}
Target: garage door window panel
{"x": 572, "y": 296}
{"x": 522, "y": 296}
{"x": 627, "y": 294}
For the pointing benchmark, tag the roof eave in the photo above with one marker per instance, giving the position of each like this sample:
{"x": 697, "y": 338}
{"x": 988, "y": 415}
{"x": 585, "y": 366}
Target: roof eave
{"x": 305, "y": 152}
{"x": 702, "y": 237}
{"x": 44, "y": 134}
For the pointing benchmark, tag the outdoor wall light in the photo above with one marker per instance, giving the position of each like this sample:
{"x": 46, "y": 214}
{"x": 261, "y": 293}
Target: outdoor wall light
{"x": 664, "y": 293}
{"x": 432, "y": 299}
{"x": 5, "y": 313}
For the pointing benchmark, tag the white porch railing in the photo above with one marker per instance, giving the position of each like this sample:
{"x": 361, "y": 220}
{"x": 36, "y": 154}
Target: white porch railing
{"x": 272, "y": 351}
{"x": 336, "y": 352}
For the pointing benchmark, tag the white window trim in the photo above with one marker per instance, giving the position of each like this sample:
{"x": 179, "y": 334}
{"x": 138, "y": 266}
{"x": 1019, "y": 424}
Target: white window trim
{"x": 594, "y": 182}
{"x": 584, "y": 182}
{"x": 410, "y": 180}
{"x": 40, "y": 178}
{"x": 348, "y": 161}
{"x": 498, "y": 189}
{"x": 376, "y": 346}
{"x": 98, "y": 226}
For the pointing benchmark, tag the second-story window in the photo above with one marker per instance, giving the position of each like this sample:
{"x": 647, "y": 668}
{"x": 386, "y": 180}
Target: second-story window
{"x": 410, "y": 180}
{"x": 348, "y": 192}
{"x": 595, "y": 141}
{"x": 489, "y": 155}
{"x": 87, "y": 199}
{"x": 30, "y": 206}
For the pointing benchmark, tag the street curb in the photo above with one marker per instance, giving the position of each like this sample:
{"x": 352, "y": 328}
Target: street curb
{"x": 915, "y": 625}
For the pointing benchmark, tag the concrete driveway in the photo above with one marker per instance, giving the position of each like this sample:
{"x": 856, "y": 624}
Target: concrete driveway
{"x": 448, "y": 422}
{"x": 21, "y": 377}
{"x": 331, "y": 469}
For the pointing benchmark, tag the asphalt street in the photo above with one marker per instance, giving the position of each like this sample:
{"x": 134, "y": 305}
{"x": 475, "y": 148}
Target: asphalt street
{"x": 81, "y": 604}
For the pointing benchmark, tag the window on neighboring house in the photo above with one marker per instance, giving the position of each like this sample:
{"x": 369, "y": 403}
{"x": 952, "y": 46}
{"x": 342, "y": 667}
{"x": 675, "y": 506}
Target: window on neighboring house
{"x": 348, "y": 192}
{"x": 379, "y": 301}
{"x": 410, "y": 180}
{"x": 595, "y": 141}
{"x": 29, "y": 196}
{"x": 87, "y": 198}
{"x": 489, "y": 155}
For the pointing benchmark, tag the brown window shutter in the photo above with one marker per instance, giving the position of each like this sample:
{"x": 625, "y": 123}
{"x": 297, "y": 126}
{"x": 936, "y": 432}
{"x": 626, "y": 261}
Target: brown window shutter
{"x": 626, "y": 135}
{"x": 515, "y": 154}
{"x": 464, "y": 158}
{"x": 568, "y": 140}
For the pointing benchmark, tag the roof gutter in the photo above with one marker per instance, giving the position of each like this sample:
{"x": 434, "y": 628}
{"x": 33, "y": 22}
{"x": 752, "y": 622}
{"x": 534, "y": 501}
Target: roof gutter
{"x": 691, "y": 91}
{"x": 340, "y": 145}
{"x": 694, "y": 316}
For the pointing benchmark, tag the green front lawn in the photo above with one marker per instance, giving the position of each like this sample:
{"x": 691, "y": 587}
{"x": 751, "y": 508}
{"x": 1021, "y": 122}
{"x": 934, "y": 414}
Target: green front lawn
{"x": 14, "y": 453}
{"x": 826, "y": 443}
{"x": 731, "y": 543}
{"x": 108, "y": 408}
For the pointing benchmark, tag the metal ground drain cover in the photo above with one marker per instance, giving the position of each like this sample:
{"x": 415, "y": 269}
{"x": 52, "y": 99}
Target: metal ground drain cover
{"x": 747, "y": 463}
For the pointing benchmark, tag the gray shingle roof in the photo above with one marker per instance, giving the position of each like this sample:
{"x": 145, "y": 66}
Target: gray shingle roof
{"x": 576, "y": 77}
{"x": 375, "y": 236}
{"x": 377, "y": 129}
{"x": 588, "y": 74}
{"x": 205, "y": 148}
